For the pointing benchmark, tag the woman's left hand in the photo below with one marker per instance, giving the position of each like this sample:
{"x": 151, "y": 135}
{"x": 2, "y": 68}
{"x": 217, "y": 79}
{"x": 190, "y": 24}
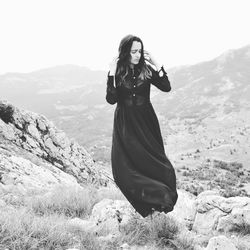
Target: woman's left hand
{"x": 148, "y": 57}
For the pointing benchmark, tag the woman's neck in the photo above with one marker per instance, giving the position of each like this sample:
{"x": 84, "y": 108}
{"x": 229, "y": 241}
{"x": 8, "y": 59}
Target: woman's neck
{"x": 132, "y": 66}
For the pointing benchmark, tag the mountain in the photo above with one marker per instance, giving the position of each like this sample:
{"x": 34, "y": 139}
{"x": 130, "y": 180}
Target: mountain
{"x": 207, "y": 109}
{"x": 222, "y": 83}
{"x": 71, "y": 96}
{"x": 49, "y": 91}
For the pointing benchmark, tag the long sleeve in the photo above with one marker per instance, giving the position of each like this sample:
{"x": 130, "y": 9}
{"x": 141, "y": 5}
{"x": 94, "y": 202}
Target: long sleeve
{"x": 161, "y": 82}
{"x": 111, "y": 92}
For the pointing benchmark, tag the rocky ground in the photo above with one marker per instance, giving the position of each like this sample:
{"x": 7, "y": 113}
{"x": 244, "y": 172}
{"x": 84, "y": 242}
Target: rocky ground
{"x": 53, "y": 195}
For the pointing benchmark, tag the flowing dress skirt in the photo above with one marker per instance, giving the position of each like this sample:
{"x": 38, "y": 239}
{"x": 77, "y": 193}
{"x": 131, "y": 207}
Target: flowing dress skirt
{"x": 140, "y": 166}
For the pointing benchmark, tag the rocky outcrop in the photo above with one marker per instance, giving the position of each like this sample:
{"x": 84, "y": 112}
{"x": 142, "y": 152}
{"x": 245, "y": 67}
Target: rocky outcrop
{"x": 22, "y": 173}
{"x": 34, "y": 152}
{"x": 221, "y": 214}
{"x": 108, "y": 216}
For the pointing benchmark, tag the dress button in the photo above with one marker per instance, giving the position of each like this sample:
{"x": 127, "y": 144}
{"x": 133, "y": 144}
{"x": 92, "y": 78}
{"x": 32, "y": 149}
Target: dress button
{"x": 133, "y": 94}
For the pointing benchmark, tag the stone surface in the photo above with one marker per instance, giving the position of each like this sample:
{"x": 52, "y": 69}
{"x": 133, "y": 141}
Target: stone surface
{"x": 220, "y": 243}
{"x": 238, "y": 217}
{"x": 2, "y": 203}
{"x": 17, "y": 171}
{"x": 218, "y": 213}
{"x": 185, "y": 209}
{"x": 27, "y": 135}
{"x": 110, "y": 214}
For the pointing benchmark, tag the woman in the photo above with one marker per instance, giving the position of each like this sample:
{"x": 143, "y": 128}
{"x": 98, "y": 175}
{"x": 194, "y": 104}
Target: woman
{"x": 140, "y": 166}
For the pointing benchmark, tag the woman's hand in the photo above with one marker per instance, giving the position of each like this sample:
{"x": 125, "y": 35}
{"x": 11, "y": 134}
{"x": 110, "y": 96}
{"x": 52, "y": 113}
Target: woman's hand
{"x": 148, "y": 57}
{"x": 113, "y": 66}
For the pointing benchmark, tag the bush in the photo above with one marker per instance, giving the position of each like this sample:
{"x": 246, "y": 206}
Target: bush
{"x": 243, "y": 228}
{"x": 6, "y": 113}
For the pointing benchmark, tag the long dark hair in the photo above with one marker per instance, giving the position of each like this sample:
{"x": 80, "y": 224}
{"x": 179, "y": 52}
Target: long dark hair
{"x": 123, "y": 64}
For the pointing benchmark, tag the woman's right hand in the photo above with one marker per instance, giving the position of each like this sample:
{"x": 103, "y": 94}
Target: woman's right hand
{"x": 113, "y": 66}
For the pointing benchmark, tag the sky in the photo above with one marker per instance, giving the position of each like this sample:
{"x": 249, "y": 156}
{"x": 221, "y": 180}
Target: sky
{"x": 36, "y": 34}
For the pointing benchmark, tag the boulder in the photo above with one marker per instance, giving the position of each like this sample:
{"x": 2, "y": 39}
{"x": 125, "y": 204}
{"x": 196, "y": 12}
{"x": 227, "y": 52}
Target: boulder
{"x": 106, "y": 218}
{"x": 110, "y": 214}
{"x": 215, "y": 212}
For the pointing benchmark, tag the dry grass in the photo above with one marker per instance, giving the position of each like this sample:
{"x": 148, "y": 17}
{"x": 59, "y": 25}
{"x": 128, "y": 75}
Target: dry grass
{"x": 111, "y": 192}
{"x": 22, "y": 229}
{"x": 70, "y": 201}
{"x": 41, "y": 222}
{"x": 162, "y": 231}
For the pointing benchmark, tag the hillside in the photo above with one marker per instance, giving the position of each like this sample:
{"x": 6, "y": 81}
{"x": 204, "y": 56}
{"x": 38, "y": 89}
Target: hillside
{"x": 34, "y": 154}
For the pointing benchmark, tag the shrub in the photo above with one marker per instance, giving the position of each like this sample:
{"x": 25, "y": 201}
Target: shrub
{"x": 231, "y": 166}
{"x": 6, "y": 113}
{"x": 242, "y": 228}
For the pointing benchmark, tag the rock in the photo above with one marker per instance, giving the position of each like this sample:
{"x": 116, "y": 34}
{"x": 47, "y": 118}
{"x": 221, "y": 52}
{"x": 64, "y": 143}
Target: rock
{"x": 185, "y": 209}
{"x": 205, "y": 222}
{"x": 22, "y": 173}
{"x": 110, "y": 214}
{"x": 239, "y": 217}
{"x": 208, "y": 192}
{"x": 220, "y": 243}
{"x": 2, "y": 203}
{"x": 218, "y": 213}
{"x": 7, "y": 131}
{"x": 27, "y": 131}
{"x": 125, "y": 246}
{"x": 105, "y": 219}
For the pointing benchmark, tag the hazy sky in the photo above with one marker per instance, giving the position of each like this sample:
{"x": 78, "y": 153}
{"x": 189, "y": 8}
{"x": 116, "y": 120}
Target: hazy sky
{"x": 41, "y": 33}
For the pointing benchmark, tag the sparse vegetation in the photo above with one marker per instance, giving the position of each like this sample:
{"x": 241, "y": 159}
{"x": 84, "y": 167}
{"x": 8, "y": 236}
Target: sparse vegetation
{"x": 161, "y": 231}
{"x": 242, "y": 228}
{"x": 41, "y": 222}
{"x": 231, "y": 166}
{"x": 69, "y": 201}
{"x": 21, "y": 229}
{"x": 226, "y": 177}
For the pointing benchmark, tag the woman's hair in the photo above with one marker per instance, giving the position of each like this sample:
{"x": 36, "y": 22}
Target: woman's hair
{"x": 123, "y": 63}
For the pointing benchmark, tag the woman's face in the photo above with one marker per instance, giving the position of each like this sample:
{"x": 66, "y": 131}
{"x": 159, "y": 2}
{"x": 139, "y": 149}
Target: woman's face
{"x": 135, "y": 52}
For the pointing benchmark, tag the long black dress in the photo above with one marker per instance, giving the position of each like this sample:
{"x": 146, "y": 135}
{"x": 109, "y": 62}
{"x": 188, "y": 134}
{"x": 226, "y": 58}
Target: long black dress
{"x": 140, "y": 166}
